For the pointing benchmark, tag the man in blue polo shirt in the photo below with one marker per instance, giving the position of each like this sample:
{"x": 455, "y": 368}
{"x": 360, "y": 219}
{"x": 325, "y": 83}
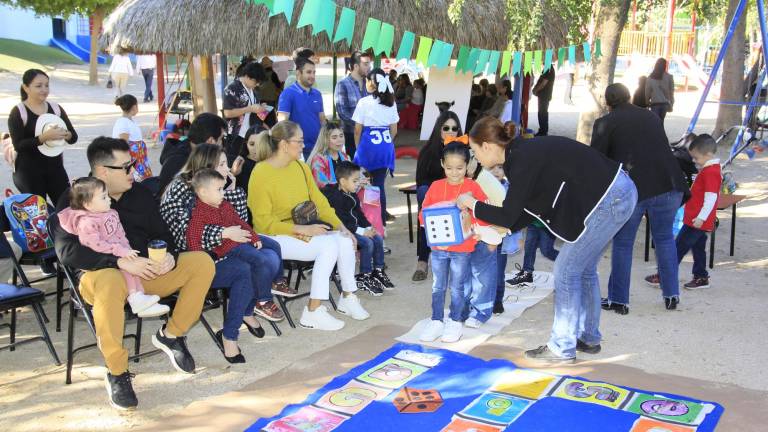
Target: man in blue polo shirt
{"x": 303, "y": 104}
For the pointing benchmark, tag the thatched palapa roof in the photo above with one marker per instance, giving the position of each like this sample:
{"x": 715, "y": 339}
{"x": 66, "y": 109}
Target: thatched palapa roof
{"x": 232, "y": 27}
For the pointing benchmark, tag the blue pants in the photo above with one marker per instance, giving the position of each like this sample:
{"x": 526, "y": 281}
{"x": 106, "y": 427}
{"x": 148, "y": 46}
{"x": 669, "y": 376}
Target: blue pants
{"x": 450, "y": 270}
{"x": 661, "y": 215}
{"x": 268, "y": 243}
{"x": 248, "y": 273}
{"x": 501, "y": 270}
{"x": 480, "y": 285}
{"x": 148, "y": 74}
{"x": 379, "y": 178}
{"x": 577, "y": 288}
{"x": 538, "y": 238}
{"x": 694, "y": 240}
{"x": 371, "y": 252}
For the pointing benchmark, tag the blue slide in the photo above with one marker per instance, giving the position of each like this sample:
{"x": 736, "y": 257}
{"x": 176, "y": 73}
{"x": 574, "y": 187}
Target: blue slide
{"x": 75, "y": 50}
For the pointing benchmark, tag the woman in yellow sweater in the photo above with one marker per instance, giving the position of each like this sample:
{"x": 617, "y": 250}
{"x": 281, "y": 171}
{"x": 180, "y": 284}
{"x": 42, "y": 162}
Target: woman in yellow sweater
{"x": 278, "y": 184}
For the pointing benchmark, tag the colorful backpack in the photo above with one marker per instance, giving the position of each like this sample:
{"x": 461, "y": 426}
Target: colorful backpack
{"x": 28, "y": 217}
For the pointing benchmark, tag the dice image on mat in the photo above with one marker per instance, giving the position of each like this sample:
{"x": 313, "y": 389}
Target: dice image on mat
{"x": 445, "y": 224}
{"x": 410, "y": 400}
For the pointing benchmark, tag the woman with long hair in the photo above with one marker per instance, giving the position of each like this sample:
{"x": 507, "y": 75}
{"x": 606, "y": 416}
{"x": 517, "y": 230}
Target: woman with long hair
{"x": 660, "y": 90}
{"x": 327, "y": 153}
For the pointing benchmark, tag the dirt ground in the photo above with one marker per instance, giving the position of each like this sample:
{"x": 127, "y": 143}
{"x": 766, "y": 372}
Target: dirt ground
{"x": 714, "y": 337}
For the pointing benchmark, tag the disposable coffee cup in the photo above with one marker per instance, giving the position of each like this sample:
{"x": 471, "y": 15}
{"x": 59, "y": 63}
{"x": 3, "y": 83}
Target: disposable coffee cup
{"x": 157, "y": 250}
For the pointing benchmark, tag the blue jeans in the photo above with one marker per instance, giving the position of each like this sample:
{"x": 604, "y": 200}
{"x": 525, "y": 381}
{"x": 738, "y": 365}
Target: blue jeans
{"x": 378, "y": 178}
{"x": 501, "y": 269}
{"x": 148, "y": 74}
{"x": 450, "y": 270}
{"x": 694, "y": 240}
{"x": 422, "y": 250}
{"x": 577, "y": 288}
{"x": 371, "y": 252}
{"x": 270, "y": 244}
{"x": 480, "y": 286}
{"x": 661, "y": 215}
{"x": 538, "y": 238}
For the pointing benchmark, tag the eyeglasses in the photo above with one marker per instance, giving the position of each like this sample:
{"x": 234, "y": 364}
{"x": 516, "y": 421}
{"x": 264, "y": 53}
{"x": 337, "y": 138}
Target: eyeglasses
{"x": 450, "y": 128}
{"x": 127, "y": 168}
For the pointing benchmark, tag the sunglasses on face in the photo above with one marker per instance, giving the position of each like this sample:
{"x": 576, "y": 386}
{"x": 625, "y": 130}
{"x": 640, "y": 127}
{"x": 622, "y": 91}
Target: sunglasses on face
{"x": 450, "y": 128}
{"x": 127, "y": 167}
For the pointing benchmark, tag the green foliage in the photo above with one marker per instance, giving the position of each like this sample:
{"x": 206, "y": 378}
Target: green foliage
{"x": 18, "y": 56}
{"x": 63, "y": 7}
{"x": 536, "y": 22}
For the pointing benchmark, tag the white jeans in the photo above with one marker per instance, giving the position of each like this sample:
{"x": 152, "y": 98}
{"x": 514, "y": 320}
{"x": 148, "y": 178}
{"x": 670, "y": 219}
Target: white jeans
{"x": 326, "y": 251}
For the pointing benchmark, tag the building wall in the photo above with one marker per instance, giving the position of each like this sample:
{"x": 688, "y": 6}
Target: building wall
{"x": 22, "y": 24}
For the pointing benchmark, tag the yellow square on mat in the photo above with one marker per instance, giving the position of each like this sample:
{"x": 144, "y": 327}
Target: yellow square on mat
{"x": 524, "y": 383}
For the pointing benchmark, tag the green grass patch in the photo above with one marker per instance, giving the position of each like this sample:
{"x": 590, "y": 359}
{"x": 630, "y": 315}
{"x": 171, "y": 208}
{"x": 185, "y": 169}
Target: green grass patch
{"x": 18, "y": 56}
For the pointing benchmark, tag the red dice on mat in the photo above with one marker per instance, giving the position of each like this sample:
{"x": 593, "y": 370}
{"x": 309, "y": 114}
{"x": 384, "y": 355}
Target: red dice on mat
{"x": 410, "y": 400}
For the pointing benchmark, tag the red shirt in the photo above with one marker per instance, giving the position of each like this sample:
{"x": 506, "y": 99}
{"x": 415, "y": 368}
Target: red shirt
{"x": 709, "y": 179}
{"x": 225, "y": 216}
{"x": 441, "y": 191}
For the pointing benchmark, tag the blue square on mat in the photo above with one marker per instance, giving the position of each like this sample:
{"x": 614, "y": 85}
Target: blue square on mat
{"x": 496, "y": 408}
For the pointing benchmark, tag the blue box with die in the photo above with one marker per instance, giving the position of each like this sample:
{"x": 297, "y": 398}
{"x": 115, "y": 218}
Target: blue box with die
{"x": 446, "y": 225}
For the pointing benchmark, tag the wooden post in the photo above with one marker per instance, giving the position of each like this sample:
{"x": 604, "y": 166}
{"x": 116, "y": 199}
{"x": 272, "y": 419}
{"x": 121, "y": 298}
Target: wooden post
{"x": 668, "y": 36}
{"x": 634, "y": 15}
{"x": 160, "y": 91}
{"x": 209, "y": 85}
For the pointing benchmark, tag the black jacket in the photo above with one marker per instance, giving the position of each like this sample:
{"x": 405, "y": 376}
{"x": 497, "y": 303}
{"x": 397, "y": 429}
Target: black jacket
{"x": 173, "y": 158}
{"x": 140, "y": 218}
{"x": 635, "y": 137}
{"x": 556, "y": 180}
{"x": 428, "y": 167}
{"x": 347, "y": 207}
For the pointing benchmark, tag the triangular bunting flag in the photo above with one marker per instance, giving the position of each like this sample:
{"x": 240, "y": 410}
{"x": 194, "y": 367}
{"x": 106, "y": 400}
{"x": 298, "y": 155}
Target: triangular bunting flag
{"x": 309, "y": 13}
{"x": 598, "y": 49}
{"x": 406, "y": 46}
{"x": 587, "y": 54}
{"x": 371, "y": 36}
{"x": 435, "y": 53}
{"x": 325, "y": 19}
{"x": 474, "y": 55}
{"x": 445, "y": 57}
{"x": 284, "y": 7}
{"x": 386, "y": 39}
{"x": 560, "y": 57}
{"x": 537, "y": 61}
{"x": 527, "y": 63}
{"x": 547, "y": 60}
{"x": 517, "y": 63}
{"x": 461, "y": 63}
{"x": 493, "y": 63}
{"x": 268, "y": 3}
{"x": 506, "y": 58}
{"x": 482, "y": 62}
{"x": 345, "y": 30}
{"x": 422, "y": 55}
{"x": 572, "y": 55}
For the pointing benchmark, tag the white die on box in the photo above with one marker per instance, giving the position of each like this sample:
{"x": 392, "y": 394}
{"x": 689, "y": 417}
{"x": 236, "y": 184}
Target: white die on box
{"x": 446, "y": 225}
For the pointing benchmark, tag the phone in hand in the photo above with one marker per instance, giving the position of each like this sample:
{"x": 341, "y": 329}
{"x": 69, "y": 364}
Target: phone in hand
{"x": 268, "y": 108}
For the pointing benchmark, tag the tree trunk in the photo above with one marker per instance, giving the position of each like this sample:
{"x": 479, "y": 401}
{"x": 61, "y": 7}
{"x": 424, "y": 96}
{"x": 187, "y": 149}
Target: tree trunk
{"x": 732, "y": 84}
{"x": 93, "y": 62}
{"x": 610, "y": 18}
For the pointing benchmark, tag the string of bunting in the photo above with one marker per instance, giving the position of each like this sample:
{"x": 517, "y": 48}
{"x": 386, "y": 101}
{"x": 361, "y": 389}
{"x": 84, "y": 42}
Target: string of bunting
{"x": 379, "y": 37}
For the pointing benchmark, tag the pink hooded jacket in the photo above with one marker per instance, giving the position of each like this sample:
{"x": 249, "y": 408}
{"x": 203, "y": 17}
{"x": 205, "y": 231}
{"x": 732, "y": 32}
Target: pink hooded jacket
{"x": 101, "y": 232}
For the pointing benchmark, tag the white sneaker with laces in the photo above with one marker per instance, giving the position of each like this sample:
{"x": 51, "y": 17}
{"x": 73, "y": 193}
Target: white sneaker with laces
{"x": 452, "y": 331}
{"x": 350, "y": 305}
{"x": 432, "y": 331}
{"x": 320, "y": 319}
{"x": 140, "y": 301}
{"x": 473, "y": 323}
{"x": 155, "y": 310}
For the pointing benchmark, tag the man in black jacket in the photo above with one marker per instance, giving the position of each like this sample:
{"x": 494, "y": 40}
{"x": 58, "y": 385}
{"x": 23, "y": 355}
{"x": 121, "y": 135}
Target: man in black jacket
{"x": 102, "y": 284}
{"x": 636, "y": 138}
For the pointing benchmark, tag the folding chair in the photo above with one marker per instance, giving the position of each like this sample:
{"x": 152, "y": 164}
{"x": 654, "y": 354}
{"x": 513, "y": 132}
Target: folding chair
{"x": 221, "y": 295}
{"x": 13, "y": 297}
{"x": 300, "y": 267}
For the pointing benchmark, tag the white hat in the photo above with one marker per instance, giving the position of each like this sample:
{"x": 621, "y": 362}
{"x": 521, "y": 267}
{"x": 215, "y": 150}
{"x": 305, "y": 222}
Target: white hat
{"x": 47, "y": 121}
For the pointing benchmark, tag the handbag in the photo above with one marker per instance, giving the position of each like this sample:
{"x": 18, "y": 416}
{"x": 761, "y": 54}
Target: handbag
{"x": 305, "y": 212}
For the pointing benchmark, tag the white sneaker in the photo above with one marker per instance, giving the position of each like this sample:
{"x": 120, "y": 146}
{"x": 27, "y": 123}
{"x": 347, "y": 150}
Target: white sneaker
{"x": 432, "y": 331}
{"x": 452, "y": 331}
{"x": 320, "y": 319}
{"x": 155, "y": 310}
{"x": 473, "y": 323}
{"x": 140, "y": 301}
{"x": 350, "y": 305}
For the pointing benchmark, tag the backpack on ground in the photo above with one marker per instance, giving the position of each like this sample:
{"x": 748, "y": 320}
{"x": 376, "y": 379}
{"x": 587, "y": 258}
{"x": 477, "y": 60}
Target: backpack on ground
{"x": 28, "y": 216}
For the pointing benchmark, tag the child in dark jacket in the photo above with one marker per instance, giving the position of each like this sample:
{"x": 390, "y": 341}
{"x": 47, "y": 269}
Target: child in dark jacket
{"x": 343, "y": 198}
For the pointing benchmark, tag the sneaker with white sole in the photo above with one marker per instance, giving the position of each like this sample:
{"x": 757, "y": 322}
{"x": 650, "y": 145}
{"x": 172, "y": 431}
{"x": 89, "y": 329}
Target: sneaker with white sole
{"x": 155, "y": 310}
{"x": 140, "y": 301}
{"x": 320, "y": 319}
{"x": 350, "y": 305}
{"x": 432, "y": 331}
{"x": 452, "y": 331}
{"x": 473, "y": 323}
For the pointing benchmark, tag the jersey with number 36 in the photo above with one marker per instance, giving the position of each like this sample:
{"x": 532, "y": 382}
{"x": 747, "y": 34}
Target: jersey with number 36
{"x": 376, "y": 149}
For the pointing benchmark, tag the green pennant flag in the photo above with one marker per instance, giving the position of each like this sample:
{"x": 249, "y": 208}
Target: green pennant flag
{"x": 474, "y": 55}
{"x": 572, "y": 55}
{"x": 527, "y": 63}
{"x": 537, "y": 61}
{"x": 482, "y": 62}
{"x": 493, "y": 63}
{"x": 434, "y": 53}
{"x": 422, "y": 55}
{"x": 346, "y": 27}
{"x": 326, "y": 18}
{"x": 386, "y": 39}
{"x": 371, "y": 36}
{"x": 587, "y": 54}
{"x": 445, "y": 56}
{"x": 560, "y": 57}
{"x": 268, "y": 3}
{"x": 309, "y": 13}
{"x": 506, "y": 58}
{"x": 461, "y": 63}
{"x": 598, "y": 49}
{"x": 547, "y": 60}
{"x": 278, "y": 7}
{"x": 406, "y": 46}
{"x": 517, "y": 62}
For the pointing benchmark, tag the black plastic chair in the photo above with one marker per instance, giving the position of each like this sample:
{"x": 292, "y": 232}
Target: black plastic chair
{"x": 13, "y": 297}
{"x": 299, "y": 268}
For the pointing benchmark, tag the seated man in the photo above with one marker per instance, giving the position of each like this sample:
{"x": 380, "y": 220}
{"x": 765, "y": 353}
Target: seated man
{"x": 103, "y": 285}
